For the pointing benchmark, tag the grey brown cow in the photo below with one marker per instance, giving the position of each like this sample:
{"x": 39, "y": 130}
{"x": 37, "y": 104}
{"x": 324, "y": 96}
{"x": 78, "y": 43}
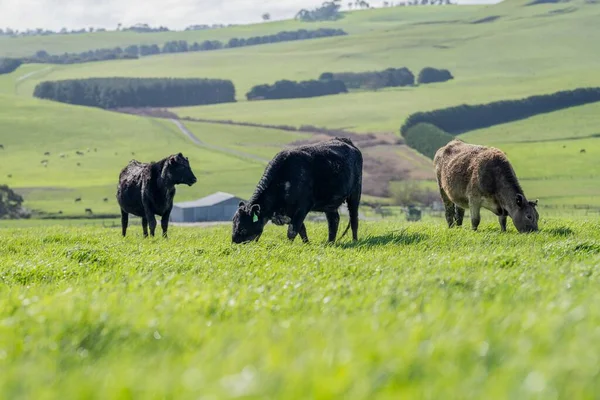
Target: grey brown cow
{"x": 148, "y": 189}
{"x": 471, "y": 176}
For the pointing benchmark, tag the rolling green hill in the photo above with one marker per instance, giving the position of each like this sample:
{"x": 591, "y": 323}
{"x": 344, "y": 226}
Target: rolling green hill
{"x": 509, "y": 50}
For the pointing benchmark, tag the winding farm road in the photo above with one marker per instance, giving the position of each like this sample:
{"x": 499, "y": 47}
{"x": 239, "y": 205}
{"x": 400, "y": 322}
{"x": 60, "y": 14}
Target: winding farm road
{"x": 200, "y": 143}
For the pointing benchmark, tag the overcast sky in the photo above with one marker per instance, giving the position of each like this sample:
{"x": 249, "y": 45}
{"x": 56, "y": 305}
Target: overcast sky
{"x": 176, "y": 14}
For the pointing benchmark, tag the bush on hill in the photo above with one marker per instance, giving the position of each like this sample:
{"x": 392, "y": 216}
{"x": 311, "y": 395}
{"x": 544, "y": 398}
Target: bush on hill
{"x": 464, "y": 118}
{"x": 117, "y": 53}
{"x": 11, "y": 204}
{"x": 431, "y": 75}
{"x": 111, "y": 93}
{"x": 328, "y": 11}
{"x": 426, "y": 138}
{"x": 391, "y": 77}
{"x": 8, "y": 65}
{"x": 285, "y": 89}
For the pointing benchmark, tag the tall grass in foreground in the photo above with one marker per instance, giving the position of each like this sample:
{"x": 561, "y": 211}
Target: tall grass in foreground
{"x": 410, "y": 311}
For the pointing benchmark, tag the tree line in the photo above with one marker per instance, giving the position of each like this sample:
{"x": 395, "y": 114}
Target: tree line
{"x": 391, "y": 77}
{"x": 286, "y": 89}
{"x": 464, "y": 118}
{"x": 177, "y": 46}
{"x": 8, "y": 65}
{"x": 109, "y": 93}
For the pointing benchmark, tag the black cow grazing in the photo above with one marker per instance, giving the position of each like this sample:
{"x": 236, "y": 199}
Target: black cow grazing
{"x": 47, "y": 153}
{"x": 106, "y": 199}
{"x": 88, "y": 211}
{"x": 148, "y": 189}
{"x": 319, "y": 177}
{"x": 78, "y": 200}
{"x": 80, "y": 153}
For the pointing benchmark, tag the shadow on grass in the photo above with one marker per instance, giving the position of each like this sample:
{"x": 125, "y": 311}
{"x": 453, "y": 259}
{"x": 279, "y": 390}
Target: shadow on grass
{"x": 398, "y": 238}
{"x": 562, "y": 231}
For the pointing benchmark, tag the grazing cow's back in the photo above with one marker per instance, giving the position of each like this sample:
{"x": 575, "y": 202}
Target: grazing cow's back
{"x": 471, "y": 176}
{"x": 318, "y": 177}
{"x": 148, "y": 189}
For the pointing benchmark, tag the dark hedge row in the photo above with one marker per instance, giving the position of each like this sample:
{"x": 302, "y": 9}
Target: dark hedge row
{"x": 8, "y": 65}
{"x": 292, "y": 90}
{"x": 391, "y": 77}
{"x": 177, "y": 46}
{"x": 137, "y": 92}
{"x": 464, "y": 118}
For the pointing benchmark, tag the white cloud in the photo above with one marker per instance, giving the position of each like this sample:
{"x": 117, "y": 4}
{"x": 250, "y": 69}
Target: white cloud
{"x": 55, "y": 14}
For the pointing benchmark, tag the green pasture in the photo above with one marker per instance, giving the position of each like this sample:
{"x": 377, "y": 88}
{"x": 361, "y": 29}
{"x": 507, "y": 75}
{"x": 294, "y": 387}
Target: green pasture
{"x": 353, "y": 23}
{"x": 410, "y": 311}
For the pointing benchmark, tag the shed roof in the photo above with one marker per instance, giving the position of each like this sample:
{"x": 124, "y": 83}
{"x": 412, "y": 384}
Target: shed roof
{"x": 209, "y": 200}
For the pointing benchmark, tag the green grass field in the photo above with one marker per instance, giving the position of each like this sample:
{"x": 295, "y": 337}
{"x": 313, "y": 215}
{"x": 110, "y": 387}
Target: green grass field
{"x": 410, "y": 311}
{"x": 526, "y": 50}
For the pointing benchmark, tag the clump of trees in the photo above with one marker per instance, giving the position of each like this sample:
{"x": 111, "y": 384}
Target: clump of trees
{"x": 117, "y": 53}
{"x": 286, "y": 89}
{"x": 11, "y": 204}
{"x": 426, "y": 138}
{"x": 177, "y": 46}
{"x": 286, "y": 36}
{"x": 8, "y": 65}
{"x": 109, "y": 93}
{"x": 391, "y": 77}
{"x": 431, "y": 75}
{"x": 145, "y": 28}
{"x": 328, "y": 11}
{"x": 464, "y": 118}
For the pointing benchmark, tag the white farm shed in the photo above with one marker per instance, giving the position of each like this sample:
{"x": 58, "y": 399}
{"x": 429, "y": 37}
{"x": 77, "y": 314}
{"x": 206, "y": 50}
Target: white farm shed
{"x": 216, "y": 207}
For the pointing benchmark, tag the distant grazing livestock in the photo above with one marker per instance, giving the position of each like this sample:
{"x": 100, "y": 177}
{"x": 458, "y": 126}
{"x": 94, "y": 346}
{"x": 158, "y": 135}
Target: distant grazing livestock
{"x": 60, "y": 212}
{"x": 477, "y": 176}
{"x": 47, "y": 153}
{"x": 319, "y": 177}
{"x": 62, "y": 155}
{"x": 77, "y": 199}
{"x": 88, "y": 211}
{"x": 106, "y": 199}
{"x": 148, "y": 189}
{"x": 44, "y": 162}
{"x": 9, "y": 175}
{"x": 80, "y": 153}
{"x": 582, "y": 151}
{"x": 2, "y": 146}
{"x": 79, "y": 164}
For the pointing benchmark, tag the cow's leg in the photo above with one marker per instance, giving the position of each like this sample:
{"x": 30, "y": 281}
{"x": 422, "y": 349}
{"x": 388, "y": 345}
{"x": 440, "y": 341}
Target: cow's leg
{"x": 145, "y": 226}
{"x": 124, "y": 222}
{"x": 353, "y": 203}
{"x": 460, "y": 215}
{"x": 475, "y": 208}
{"x": 333, "y": 220}
{"x": 449, "y": 207}
{"x": 502, "y": 220}
{"x": 303, "y": 234}
{"x": 152, "y": 224}
{"x": 164, "y": 222}
{"x": 296, "y": 224}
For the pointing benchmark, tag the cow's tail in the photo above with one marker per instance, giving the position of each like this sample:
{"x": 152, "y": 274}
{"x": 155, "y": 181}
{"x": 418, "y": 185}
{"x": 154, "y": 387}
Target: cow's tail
{"x": 347, "y": 228}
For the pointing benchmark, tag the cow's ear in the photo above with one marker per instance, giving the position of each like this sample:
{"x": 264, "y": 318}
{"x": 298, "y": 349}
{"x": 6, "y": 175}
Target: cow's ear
{"x": 255, "y": 209}
{"x": 520, "y": 200}
{"x": 180, "y": 155}
{"x": 242, "y": 204}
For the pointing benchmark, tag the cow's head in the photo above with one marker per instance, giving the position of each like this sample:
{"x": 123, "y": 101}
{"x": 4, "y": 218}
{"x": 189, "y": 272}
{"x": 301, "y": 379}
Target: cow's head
{"x": 526, "y": 217}
{"x": 247, "y": 223}
{"x": 178, "y": 171}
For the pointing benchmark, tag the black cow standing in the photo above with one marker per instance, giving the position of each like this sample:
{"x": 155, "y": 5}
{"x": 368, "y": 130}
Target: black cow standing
{"x": 148, "y": 189}
{"x": 318, "y": 177}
